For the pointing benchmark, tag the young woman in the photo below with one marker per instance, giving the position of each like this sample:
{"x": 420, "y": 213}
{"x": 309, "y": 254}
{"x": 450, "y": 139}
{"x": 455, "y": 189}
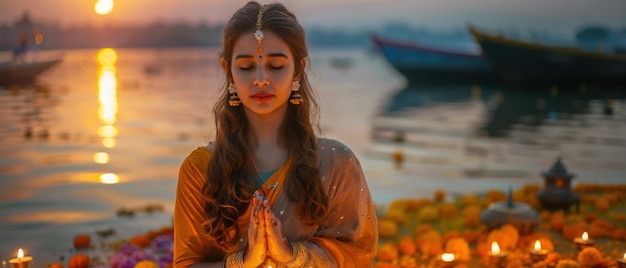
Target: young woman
{"x": 268, "y": 192}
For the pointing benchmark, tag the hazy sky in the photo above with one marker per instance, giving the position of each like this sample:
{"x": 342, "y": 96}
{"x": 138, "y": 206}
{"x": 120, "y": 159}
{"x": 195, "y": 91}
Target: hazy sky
{"x": 559, "y": 16}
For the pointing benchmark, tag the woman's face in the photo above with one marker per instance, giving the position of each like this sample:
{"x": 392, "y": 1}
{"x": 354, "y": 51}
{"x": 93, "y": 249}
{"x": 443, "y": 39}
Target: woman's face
{"x": 263, "y": 80}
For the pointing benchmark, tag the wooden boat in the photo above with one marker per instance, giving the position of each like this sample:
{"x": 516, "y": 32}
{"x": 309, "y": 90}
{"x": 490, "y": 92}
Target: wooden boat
{"x": 12, "y": 73}
{"x": 532, "y": 62}
{"x": 419, "y": 62}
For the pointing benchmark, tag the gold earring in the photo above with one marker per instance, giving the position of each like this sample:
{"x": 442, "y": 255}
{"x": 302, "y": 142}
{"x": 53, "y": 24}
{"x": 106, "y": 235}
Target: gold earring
{"x": 296, "y": 98}
{"x": 234, "y": 100}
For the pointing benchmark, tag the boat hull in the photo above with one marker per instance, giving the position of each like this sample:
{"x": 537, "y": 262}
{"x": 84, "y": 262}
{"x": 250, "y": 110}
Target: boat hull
{"x": 420, "y": 63}
{"x": 529, "y": 62}
{"x": 23, "y": 73}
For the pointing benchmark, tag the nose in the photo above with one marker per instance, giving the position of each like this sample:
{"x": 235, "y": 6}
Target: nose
{"x": 262, "y": 83}
{"x": 261, "y": 79}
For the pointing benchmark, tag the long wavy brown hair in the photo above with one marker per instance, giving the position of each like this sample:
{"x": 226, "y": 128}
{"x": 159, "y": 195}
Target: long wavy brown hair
{"x": 228, "y": 190}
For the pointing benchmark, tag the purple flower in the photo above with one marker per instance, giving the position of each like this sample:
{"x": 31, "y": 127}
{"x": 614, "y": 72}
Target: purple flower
{"x": 162, "y": 243}
{"x": 128, "y": 249}
{"x": 127, "y": 263}
{"x": 142, "y": 255}
{"x": 166, "y": 259}
{"x": 119, "y": 260}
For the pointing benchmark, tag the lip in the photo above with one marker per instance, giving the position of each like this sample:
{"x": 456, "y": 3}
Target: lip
{"x": 262, "y": 96}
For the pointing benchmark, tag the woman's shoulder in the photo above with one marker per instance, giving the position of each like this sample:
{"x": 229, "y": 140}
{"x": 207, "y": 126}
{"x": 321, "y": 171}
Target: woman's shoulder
{"x": 199, "y": 156}
{"x": 334, "y": 148}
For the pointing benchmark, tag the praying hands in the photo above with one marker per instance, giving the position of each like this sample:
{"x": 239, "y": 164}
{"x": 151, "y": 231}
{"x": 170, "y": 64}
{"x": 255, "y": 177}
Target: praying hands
{"x": 265, "y": 235}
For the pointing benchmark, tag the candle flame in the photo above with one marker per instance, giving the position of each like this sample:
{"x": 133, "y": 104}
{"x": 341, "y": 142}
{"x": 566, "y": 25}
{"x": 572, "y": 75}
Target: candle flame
{"x": 585, "y": 236}
{"x": 447, "y": 257}
{"x": 537, "y": 245}
{"x": 624, "y": 256}
{"x": 495, "y": 248}
{"x": 20, "y": 253}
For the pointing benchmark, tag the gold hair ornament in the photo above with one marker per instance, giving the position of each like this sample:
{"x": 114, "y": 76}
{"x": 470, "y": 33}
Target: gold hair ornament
{"x": 258, "y": 34}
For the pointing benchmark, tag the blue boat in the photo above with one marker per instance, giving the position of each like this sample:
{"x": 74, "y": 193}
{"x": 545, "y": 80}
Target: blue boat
{"x": 424, "y": 63}
{"x": 522, "y": 61}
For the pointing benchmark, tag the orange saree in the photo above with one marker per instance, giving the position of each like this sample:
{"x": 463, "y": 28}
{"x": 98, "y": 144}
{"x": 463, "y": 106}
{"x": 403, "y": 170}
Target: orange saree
{"x": 349, "y": 239}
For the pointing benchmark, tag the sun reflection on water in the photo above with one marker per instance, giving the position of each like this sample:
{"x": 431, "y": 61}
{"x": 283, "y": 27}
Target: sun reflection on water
{"x": 109, "y": 178}
{"x": 101, "y": 157}
{"x": 107, "y": 109}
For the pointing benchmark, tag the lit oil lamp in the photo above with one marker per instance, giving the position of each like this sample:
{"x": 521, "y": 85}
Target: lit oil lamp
{"x": 497, "y": 258}
{"x": 537, "y": 253}
{"x": 21, "y": 261}
{"x": 621, "y": 263}
{"x": 447, "y": 260}
{"x": 583, "y": 241}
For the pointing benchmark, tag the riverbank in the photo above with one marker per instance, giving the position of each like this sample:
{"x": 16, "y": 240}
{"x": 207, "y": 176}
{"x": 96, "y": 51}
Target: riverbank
{"x": 416, "y": 232}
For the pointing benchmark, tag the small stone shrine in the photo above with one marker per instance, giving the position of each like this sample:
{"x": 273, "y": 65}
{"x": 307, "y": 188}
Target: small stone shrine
{"x": 520, "y": 215}
{"x": 557, "y": 193}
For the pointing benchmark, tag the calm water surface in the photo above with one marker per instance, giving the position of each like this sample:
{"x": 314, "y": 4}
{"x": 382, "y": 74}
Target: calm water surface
{"x": 95, "y": 136}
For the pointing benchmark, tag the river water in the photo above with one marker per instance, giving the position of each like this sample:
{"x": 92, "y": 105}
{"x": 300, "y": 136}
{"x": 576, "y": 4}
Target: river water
{"x": 107, "y": 130}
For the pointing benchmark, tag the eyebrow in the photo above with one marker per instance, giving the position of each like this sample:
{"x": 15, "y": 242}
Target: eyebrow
{"x": 271, "y": 55}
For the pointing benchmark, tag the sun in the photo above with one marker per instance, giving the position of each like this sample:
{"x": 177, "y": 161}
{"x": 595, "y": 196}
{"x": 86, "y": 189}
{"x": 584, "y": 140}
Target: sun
{"x": 103, "y": 7}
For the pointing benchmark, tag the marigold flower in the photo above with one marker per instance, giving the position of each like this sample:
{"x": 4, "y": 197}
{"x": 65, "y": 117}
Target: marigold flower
{"x": 448, "y": 210}
{"x": 407, "y": 246}
{"x": 602, "y": 204}
{"x": 567, "y": 264}
{"x": 428, "y": 213}
{"x": 429, "y": 243}
{"x": 589, "y": 257}
{"x": 440, "y": 195}
{"x": 471, "y": 215}
{"x": 460, "y": 247}
{"x": 387, "y": 252}
{"x": 423, "y": 228}
{"x": 387, "y": 228}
